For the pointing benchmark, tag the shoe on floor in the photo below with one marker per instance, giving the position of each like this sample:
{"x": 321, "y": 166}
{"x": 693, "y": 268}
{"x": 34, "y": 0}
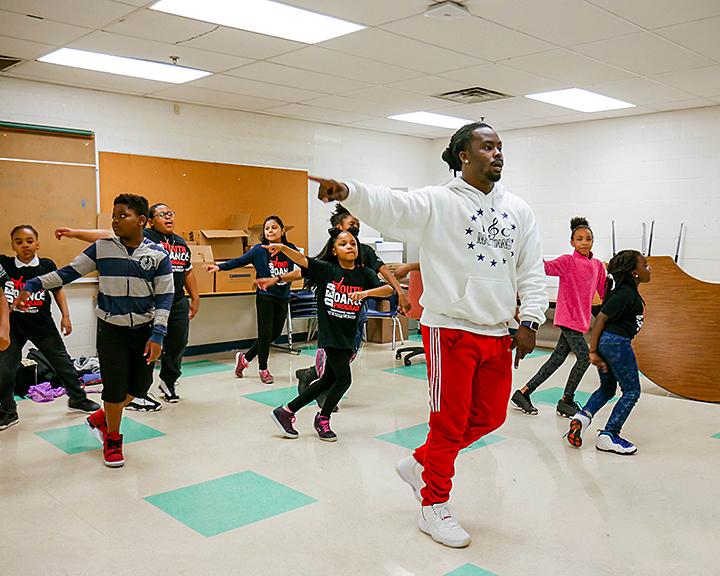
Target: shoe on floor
{"x": 322, "y": 427}
{"x": 284, "y": 419}
{"x": 98, "y": 426}
{"x": 438, "y": 521}
{"x": 240, "y": 364}
{"x": 609, "y": 442}
{"x": 266, "y": 377}
{"x": 577, "y": 426}
{"x": 567, "y": 408}
{"x": 168, "y": 392}
{"x": 411, "y": 471}
{"x": 522, "y": 402}
{"x": 112, "y": 452}
{"x": 147, "y": 404}
{"x": 305, "y": 376}
{"x": 85, "y": 405}
{"x": 7, "y": 420}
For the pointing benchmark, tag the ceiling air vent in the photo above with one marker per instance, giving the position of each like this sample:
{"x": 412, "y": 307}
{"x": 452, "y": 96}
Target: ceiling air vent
{"x": 473, "y": 95}
{"x": 7, "y": 62}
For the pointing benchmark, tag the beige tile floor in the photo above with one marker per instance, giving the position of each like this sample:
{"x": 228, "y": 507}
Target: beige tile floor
{"x": 533, "y": 505}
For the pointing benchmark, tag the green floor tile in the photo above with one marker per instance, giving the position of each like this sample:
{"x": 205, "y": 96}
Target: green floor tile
{"x": 716, "y": 436}
{"x": 18, "y": 398}
{"x": 200, "y": 367}
{"x": 416, "y": 435}
{"x": 76, "y": 439}
{"x": 308, "y": 349}
{"x": 276, "y": 397}
{"x": 470, "y": 570}
{"x": 550, "y": 396}
{"x": 535, "y": 354}
{"x": 418, "y": 369}
{"x": 224, "y": 504}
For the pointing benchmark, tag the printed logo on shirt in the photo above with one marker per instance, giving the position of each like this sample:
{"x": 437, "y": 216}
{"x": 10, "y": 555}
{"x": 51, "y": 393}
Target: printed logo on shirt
{"x": 34, "y": 302}
{"x": 337, "y": 300}
{"x": 179, "y": 255}
{"x": 278, "y": 268}
{"x": 494, "y": 230}
{"x": 639, "y": 319}
{"x": 146, "y": 262}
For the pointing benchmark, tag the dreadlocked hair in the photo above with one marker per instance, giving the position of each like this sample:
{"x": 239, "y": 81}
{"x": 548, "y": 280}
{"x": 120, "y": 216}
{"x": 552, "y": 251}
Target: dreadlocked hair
{"x": 283, "y": 238}
{"x": 337, "y": 217}
{"x": 459, "y": 142}
{"x": 326, "y": 254}
{"x": 620, "y": 273}
{"x": 579, "y": 223}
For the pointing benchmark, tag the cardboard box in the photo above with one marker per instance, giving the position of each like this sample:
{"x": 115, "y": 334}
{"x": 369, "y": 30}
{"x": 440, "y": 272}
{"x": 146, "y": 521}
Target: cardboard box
{"x": 380, "y": 329}
{"x": 103, "y": 221}
{"x": 240, "y": 222}
{"x": 237, "y": 280}
{"x": 226, "y": 244}
{"x": 200, "y": 255}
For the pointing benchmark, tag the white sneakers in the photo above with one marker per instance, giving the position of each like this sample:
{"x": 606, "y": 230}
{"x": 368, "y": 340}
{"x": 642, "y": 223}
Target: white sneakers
{"x": 609, "y": 442}
{"x": 577, "y": 426}
{"x": 411, "y": 471}
{"x": 437, "y": 521}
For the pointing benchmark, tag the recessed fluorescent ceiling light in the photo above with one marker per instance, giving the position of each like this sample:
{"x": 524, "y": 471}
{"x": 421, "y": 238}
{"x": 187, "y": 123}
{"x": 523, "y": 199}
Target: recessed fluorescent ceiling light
{"x": 262, "y": 16}
{"x": 123, "y": 66}
{"x": 581, "y": 100}
{"x": 430, "y": 119}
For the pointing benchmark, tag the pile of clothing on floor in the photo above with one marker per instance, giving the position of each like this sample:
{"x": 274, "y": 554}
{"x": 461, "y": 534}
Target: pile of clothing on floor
{"x": 36, "y": 379}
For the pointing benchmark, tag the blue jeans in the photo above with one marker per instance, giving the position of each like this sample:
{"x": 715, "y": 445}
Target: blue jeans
{"x": 622, "y": 369}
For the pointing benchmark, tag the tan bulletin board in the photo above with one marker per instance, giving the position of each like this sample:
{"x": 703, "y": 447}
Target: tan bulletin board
{"x": 204, "y": 195}
{"x": 47, "y": 180}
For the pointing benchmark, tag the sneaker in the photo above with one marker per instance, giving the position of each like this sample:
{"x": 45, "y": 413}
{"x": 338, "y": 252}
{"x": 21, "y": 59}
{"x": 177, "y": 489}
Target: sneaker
{"x": 284, "y": 419}
{"x": 7, "y": 420}
{"x": 437, "y": 521}
{"x": 97, "y": 424}
{"x": 147, "y": 404}
{"x": 240, "y": 364}
{"x": 85, "y": 405}
{"x": 112, "y": 450}
{"x": 168, "y": 392}
{"x": 567, "y": 408}
{"x": 411, "y": 471}
{"x": 522, "y": 402}
{"x": 577, "y": 427}
{"x": 266, "y": 377}
{"x": 322, "y": 427}
{"x": 609, "y": 442}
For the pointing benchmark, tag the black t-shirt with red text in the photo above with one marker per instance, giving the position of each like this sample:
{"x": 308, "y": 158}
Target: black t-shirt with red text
{"x": 38, "y": 313}
{"x": 338, "y": 315}
{"x": 179, "y": 253}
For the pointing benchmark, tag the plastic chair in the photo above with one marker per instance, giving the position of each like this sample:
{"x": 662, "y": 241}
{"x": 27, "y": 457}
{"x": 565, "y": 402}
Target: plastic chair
{"x": 415, "y": 290}
{"x": 373, "y": 312}
{"x": 303, "y": 304}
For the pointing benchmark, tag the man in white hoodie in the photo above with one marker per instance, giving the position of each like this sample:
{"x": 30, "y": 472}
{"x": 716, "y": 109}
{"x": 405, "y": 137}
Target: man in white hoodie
{"x": 479, "y": 249}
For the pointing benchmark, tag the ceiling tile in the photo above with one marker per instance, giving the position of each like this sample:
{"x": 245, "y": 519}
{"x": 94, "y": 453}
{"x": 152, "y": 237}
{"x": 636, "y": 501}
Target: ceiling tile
{"x": 561, "y": 22}
{"x": 119, "y": 45}
{"x": 296, "y": 78}
{"x": 428, "y": 85}
{"x": 704, "y": 82}
{"x": 366, "y": 12}
{"x": 24, "y": 49}
{"x": 640, "y": 91}
{"x": 46, "y": 31}
{"x": 529, "y": 123}
{"x": 384, "y": 95}
{"x": 492, "y": 115}
{"x": 625, "y": 112}
{"x": 652, "y": 14}
{"x": 395, "y": 126}
{"x": 576, "y": 117}
{"x": 315, "y": 114}
{"x": 253, "y": 88}
{"x": 684, "y": 104}
{"x": 644, "y": 54}
{"x": 702, "y": 36}
{"x": 382, "y": 46}
{"x": 474, "y": 36}
{"x": 503, "y": 79}
{"x": 568, "y": 67}
{"x": 344, "y": 65}
{"x": 65, "y": 75}
{"x": 87, "y": 13}
{"x": 195, "y": 95}
{"x": 360, "y": 106}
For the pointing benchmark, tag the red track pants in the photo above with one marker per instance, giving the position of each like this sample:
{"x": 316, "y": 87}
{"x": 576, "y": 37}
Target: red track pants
{"x": 470, "y": 380}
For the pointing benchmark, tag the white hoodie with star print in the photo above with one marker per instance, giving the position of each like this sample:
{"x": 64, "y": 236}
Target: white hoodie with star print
{"x": 478, "y": 251}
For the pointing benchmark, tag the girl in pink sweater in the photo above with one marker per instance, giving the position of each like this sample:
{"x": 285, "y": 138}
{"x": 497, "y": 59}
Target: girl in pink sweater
{"x": 581, "y": 276}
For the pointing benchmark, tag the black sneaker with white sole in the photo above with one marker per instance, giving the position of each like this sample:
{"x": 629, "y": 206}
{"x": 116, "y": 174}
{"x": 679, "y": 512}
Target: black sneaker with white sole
{"x": 7, "y": 420}
{"x": 567, "y": 408}
{"x": 168, "y": 392}
{"x": 147, "y": 404}
{"x": 85, "y": 405}
{"x": 522, "y": 402}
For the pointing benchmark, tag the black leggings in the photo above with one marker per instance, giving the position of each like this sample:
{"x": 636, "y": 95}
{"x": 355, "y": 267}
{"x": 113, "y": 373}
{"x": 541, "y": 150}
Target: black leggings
{"x": 271, "y": 315}
{"x": 336, "y": 380}
{"x": 570, "y": 340}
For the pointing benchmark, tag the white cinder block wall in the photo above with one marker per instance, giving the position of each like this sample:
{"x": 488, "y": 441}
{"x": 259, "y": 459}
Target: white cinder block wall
{"x": 663, "y": 167}
{"x": 136, "y": 125}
